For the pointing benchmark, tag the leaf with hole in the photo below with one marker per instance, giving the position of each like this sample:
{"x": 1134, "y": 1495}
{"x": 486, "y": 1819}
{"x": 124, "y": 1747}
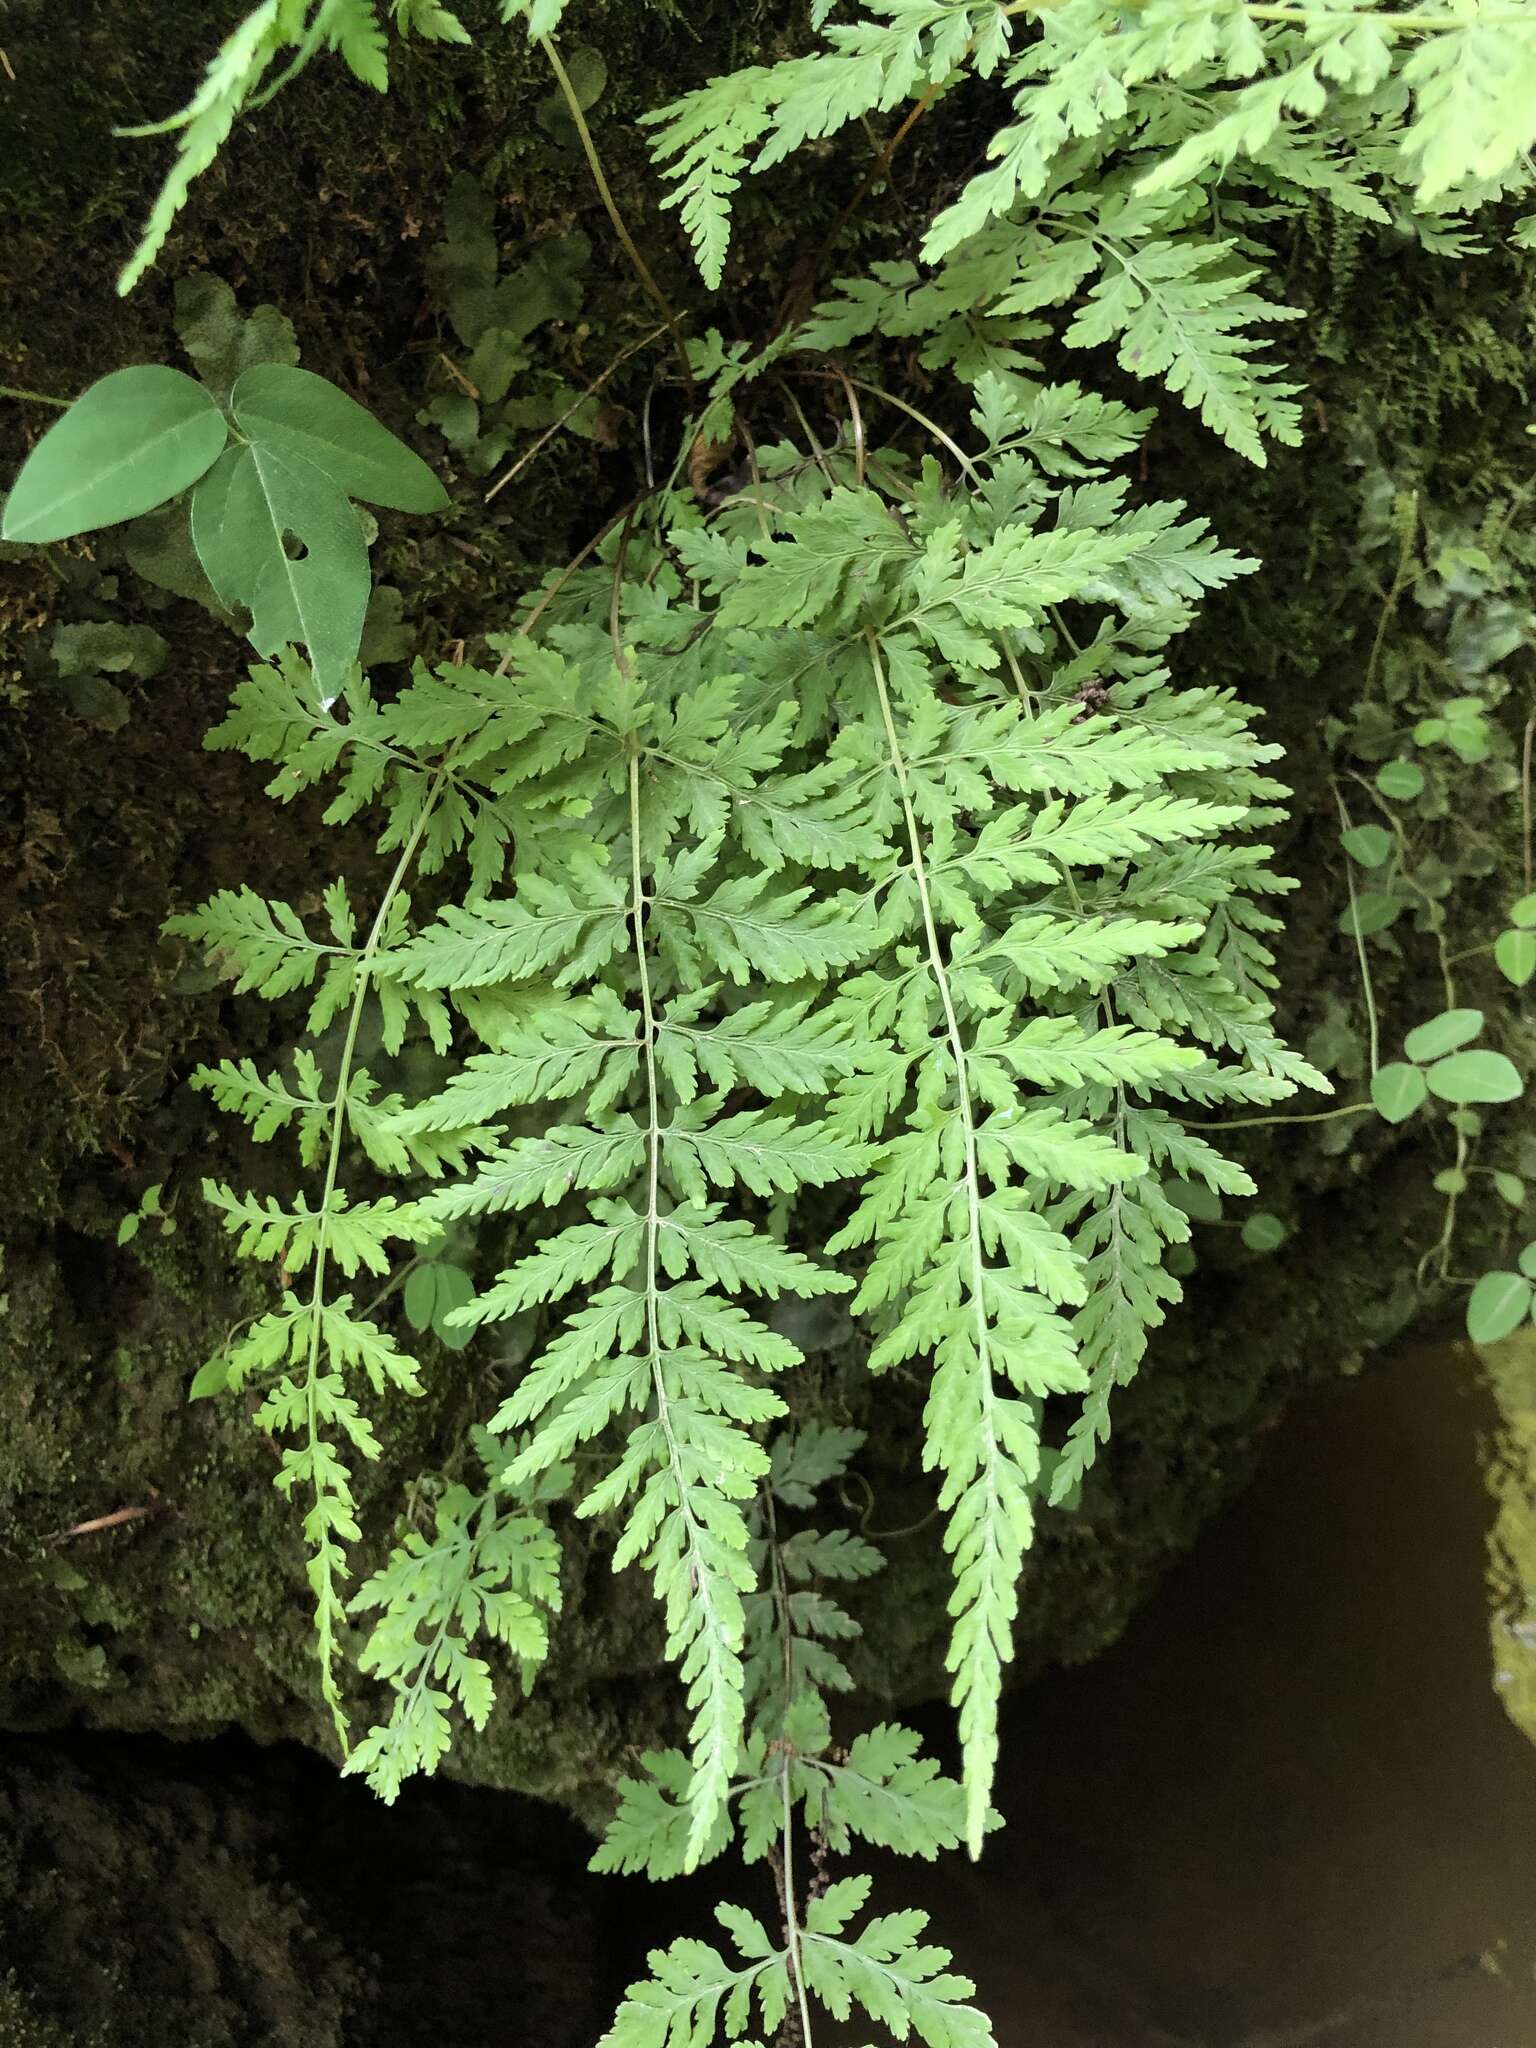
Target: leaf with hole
{"x": 1368, "y": 844}
{"x": 1498, "y": 1305}
{"x": 245, "y": 512}
{"x": 295, "y": 413}
{"x": 127, "y": 444}
{"x": 1442, "y": 1034}
{"x": 1398, "y": 1090}
{"x": 1515, "y": 952}
{"x": 1475, "y": 1077}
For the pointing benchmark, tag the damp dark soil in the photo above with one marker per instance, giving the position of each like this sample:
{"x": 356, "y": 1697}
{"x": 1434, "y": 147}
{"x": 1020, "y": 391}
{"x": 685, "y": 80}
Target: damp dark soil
{"x": 1285, "y": 1810}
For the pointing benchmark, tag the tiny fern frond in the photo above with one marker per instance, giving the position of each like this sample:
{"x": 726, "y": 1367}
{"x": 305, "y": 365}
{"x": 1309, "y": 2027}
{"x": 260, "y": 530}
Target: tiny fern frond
{"x": 490, "y": 1567}
{"x": 205, "y": 122}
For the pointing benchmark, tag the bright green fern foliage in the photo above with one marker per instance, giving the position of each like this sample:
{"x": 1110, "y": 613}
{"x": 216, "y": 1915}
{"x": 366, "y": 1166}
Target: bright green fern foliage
{"x": 489, "y": 1567}
{"x": 1149, "y": 154}
{"x": 799, "y": 1800}
{"x": 946, "y": 912}
{"x": 271, "y": 45}
{"x": 835, "y": 889}
{"x": 624, "y": 970}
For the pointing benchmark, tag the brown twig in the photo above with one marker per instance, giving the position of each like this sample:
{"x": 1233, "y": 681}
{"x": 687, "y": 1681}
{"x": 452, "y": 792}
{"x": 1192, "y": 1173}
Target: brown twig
{"x": 458, "y": 375}
{"x": 549, "y": 432}
{"x": 881, "y": 164}
{"x": 113, "y": 1521}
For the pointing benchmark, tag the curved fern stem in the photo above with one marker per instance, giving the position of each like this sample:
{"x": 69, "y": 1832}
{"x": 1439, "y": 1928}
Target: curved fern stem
{"x": 321, "y": 1570}
{"x": 786, "y": 1635}
{"x": 712, "y": 1773}
{"x": 627, "y": 241}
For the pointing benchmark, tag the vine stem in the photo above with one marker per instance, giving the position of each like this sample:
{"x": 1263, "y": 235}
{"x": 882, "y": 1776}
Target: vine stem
{"x": 791, "y": 1920}
{"x": 32, "y": 397}
{"x": 595, "y": 164}
{"x": 929, "y": 425}
{"x": 325, "y": 1594}
{"x": 1365, "y": 965}
{"x": 549, "y": 432}
{"x": 1254, "y": 1123}
{"x": 882, "y": 162}
{"x": 976, "y": 1807}
{"x": 1411, "y": 24}
{"x": 1421, "y": 24}
{"x": 1402, "y": 576}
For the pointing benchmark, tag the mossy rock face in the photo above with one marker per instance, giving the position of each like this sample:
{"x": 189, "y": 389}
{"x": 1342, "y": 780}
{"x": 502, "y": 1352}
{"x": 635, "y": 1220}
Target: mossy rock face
{"x": 1510, "y": 1368}
{"x": 218, "y": 1896}
{"x": 189, "y": 1614}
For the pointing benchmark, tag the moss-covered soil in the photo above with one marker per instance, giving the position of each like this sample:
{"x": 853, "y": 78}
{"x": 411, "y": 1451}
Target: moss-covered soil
{"x": 217, "y": 1896}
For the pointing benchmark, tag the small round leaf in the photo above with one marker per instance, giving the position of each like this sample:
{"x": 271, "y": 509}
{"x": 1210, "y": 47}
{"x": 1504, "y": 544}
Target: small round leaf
{"x": 1498, "y": 1304}
{"x": 1442, "y": 1034}
{"x": 455, "y": 1289}
{"x": 210, "y": 1378}
{"x": 1195, "y": 1199}
{"x": 1368, "y": 844}
{"x": 1402, "y": 781}
{"x": 420, "y": 1297}
{"x": 1515, "y": 952}
{"x": 1264, "y": 1233}
{"x": 1475, "y": 1077}
{"x": 1397, "y": 1091}
{"x": 1512, "y": 1188}
{"x": 1371, "y": 911}
{"x": 432, "y": 1292}
{"x": 1527, "y": 1260}
{"x": 1523, "y": 913}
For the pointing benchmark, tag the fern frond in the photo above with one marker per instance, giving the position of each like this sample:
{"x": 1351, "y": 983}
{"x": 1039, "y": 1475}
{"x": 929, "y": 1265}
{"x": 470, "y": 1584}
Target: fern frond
{"x": 487, "y": 1568}
{"x": 205, "y": 122}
